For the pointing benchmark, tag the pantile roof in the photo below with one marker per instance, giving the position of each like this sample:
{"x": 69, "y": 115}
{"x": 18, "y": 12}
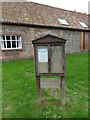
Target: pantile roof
{"x": 38, "y": 14}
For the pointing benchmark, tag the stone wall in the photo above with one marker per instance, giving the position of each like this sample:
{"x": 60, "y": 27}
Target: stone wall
{"x": 74, "y": 40}
{"x": 72, "y": 37}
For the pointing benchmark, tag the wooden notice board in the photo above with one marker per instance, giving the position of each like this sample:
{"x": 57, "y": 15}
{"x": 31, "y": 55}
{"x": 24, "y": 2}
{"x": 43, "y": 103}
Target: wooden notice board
{"x": 49, "y": 59}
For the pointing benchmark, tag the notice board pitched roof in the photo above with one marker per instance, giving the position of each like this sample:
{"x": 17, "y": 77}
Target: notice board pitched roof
{"x": 48, "y": 39}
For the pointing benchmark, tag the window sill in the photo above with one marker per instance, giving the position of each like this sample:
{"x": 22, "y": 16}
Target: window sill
{"x": 19, "y": 49}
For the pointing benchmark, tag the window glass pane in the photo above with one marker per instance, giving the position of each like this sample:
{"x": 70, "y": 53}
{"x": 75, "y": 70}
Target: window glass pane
{"x": 8, "y": 44}
{"x": 7, "y": 37}
{"x": 18, "y": 44}
{"x": 83, "y": 24}
{"x": 13, "y": 44}
{"x": 17, "y": 37}
{"x": 3, "y": 37}
{"x": 3, "y": 45}
{"x": 63, "y": 21}
{"x": 13, "y": 37}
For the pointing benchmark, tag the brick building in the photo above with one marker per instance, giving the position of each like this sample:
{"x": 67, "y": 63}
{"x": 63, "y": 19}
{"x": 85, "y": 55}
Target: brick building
{"x": 22, "y": 22}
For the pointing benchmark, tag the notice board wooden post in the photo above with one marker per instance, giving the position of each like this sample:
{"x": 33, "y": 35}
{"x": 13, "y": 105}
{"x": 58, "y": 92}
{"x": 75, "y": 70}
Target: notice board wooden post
{"x": 62, "y": 89}
{"x": 49, "y": 60}
{"x": 38, "y": 88}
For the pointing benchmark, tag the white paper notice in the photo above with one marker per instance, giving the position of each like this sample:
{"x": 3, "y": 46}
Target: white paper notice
{"x": 42, "y": 55}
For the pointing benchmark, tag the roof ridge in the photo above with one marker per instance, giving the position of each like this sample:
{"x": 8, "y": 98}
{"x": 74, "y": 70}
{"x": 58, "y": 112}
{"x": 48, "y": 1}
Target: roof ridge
{"x": 57, "y": 8}
{"x": 47, "y": 6}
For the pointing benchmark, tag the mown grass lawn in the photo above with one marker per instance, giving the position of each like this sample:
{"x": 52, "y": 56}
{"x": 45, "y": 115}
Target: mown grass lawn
{"x": 19, "y": 91}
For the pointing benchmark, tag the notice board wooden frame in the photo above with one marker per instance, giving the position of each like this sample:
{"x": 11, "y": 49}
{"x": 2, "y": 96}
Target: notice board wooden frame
{"x": 49, "y": 40}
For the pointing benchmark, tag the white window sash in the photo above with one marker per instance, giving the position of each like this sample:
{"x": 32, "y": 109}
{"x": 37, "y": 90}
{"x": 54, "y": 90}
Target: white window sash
{"x": 17, "y": 47}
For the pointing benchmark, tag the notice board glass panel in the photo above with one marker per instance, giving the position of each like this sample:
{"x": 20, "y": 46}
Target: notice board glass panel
{"x": 42, "y": 59}
{"x": 57, "y": 60}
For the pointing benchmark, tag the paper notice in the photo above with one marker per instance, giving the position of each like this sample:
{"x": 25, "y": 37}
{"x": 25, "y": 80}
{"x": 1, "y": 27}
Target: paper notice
{"x": 42, "y": 55}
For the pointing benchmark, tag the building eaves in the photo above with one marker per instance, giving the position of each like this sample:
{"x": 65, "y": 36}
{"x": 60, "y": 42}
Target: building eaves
{"x": 42, "y": 26}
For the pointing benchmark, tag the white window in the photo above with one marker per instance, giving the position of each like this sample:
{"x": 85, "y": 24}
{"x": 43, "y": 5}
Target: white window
{"x": 83, "y": 24}
{"x": 63, "y": 21}
{"x": 11, "y": 42}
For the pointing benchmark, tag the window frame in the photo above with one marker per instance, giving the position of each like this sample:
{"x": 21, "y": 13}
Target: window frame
{"x": 82, "y": 24}
{"x": 11, "y": 41}
{"x": 63, "y": 23}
